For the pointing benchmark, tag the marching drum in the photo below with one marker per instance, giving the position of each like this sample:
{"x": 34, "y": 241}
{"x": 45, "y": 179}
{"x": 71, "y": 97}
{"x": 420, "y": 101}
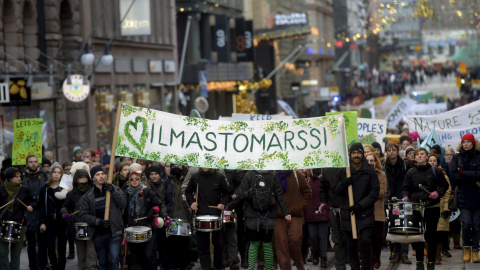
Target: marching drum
{"x": 10, "y": 231}
{"x": 207, "y": 223}
{"x": 178, "y": 227}
{"x": 229, "y": 216}
{"x": 81, "y": 231}
{"x": 405, "y": 217}
{"x": 138, "y": 234}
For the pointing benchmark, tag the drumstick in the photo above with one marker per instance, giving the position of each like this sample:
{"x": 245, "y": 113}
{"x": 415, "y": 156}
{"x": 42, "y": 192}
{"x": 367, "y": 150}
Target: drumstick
{"x": 213, "y": 206}
{"x": 140, "y": 218}
{"x": 76, "y": 212}
{"x": 22, "y": 203}
{"x": 196, "y": 198}
{"x": 7, "y": 204}
{"x": 421, "y": 186}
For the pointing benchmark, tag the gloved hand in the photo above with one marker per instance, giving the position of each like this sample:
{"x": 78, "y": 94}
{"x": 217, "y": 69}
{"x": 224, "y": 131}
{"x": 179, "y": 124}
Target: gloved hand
{"x": 433, "y": 195}
{"x": 354, "y": 209}
{"x": 445, "y": 214}
{"x": 156, "y": 209}
{"x": 460, "y": 172}
{"x": 66, "y": 217}
{"x": 348, "y": 181}
{"x": 151, "y": 213}
{"x": 405, "y": 198}
{"x": 109, "y": 187}
{"x": 103, "y": 223}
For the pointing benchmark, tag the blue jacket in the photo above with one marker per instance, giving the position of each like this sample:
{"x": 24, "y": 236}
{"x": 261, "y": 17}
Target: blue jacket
{"x": 467, "y": 183}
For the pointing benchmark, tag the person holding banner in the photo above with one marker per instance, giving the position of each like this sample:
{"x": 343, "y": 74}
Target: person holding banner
{"x": 465, "y": 174}
{"x": 12, "y": 189}
{"x": 366, "y": 188}
{"x": 427, "y": 184}
{"x": 107, "y": 234}
{"x": 34, "y": 179}
{"x": 213, "y": 190}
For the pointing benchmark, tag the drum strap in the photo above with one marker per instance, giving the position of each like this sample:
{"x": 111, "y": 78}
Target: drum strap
{"x": 5, "y": 208}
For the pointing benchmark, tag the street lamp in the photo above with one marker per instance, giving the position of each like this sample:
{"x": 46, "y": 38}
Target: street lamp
{"x": 87, "y": 58}
{"x": 107, "y": 58}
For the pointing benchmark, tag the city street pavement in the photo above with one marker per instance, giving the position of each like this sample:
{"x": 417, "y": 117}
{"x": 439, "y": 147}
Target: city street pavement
{"x": 448, "y": 87}
{"x": 453, "y": 263}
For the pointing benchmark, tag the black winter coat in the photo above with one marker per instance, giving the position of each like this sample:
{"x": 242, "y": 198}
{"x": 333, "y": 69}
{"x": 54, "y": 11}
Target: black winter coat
{"x": 18, "y": 211}
{"x": 70, "y": 206}
{"x": 432, "y": 181}
{"x": 242, "y": 196}
{"x": 366, "y": 188}
{"x": 395, "y": 176}
{"x": 213, "y": 190}
{"x": 468, "y": 190}
{"x": 327, "y": 192}
{"x": 48, "y": 205}
{"x": 148, "y": 200}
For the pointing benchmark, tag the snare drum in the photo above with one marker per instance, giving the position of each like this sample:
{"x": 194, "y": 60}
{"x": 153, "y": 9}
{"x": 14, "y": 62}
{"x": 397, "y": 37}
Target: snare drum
{"x": 10, "y": 231}
{"x": 178, "y": 227}
{"x": 207, "y": 223}
{"x": 229, "y": 216}
{"x": 405, "y": 217}
{"x": 81, "y": 231}
{"x": 138, "y": 234}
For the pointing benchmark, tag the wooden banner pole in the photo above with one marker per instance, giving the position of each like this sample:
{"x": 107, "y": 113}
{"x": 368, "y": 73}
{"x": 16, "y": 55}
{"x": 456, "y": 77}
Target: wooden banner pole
{"x": 351, "y": 203}
{"x": 112, "y": 160}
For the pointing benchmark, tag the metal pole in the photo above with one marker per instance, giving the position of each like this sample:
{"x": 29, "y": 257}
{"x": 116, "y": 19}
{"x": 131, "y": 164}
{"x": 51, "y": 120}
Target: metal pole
{"x": 284, "y": 61}
{"x": 184, "y": 49}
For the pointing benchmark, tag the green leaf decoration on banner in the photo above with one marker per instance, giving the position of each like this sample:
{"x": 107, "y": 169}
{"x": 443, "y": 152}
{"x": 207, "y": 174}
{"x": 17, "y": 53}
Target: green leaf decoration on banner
{"x": 202, "y": 124}
{"x": 143, "y": 137}
{"x": 278, "y": 126}
{"x": 304, "y": 123}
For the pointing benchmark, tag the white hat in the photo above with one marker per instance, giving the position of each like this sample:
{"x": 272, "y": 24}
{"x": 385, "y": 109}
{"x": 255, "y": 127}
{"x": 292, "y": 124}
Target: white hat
{"x": 135, "y": 167}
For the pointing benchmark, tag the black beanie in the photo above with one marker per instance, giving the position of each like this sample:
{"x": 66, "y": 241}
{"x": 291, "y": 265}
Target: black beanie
{"x": 95, "y": 169}
{"x": 437, "y": 148}
{"x": 10, "y": 173}
{"x": 156, "y": 169}
{"x": 46, "y": 161}
{"x": 376, "y": 145}
{"x": 356, "y": 147}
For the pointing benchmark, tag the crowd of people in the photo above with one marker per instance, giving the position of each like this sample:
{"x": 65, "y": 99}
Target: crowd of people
{"x": 150, "y": 211}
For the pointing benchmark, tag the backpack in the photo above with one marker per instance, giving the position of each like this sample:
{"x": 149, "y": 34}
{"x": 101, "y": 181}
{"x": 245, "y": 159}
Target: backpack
{"x": 261, "y": 193}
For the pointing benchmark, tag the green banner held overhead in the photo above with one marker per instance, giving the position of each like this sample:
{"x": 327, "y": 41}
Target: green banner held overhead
{"x": 247, "y": 145}
{"x": 27, "y": 139}
{"x": 350, "y": 125}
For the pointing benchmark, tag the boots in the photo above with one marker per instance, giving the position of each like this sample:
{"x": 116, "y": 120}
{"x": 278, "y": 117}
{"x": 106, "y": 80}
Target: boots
{"x": 475, "y": 258}
{"x": 430, "y": 266}
{"x": 323, "y": 263}
{"x": 438, "y": 258}
{"x": 467, "y": 254}
{"x": 456, "y": 241}
{"x": 244, "y": 263}
{"x": 315, "y": 258}
{"x": 420, "y": 265}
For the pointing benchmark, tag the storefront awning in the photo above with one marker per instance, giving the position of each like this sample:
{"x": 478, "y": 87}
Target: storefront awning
{"x": 441, "y": 43}
{"x": 431, "y": 44}
{"x": 284, "y": 33}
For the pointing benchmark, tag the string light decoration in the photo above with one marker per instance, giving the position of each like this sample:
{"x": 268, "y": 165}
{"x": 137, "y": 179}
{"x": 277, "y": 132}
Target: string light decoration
{"x": 423, "y": 10}
{"x": 244, "y": 105}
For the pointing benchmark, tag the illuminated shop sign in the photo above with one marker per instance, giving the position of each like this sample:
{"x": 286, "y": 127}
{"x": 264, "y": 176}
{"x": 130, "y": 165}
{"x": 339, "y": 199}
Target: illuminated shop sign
{"x": 137, "y": 21}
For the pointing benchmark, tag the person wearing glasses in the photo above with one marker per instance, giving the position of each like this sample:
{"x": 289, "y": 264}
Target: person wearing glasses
{"x": 107, "y": 234}
{"x": 141, "y": 202}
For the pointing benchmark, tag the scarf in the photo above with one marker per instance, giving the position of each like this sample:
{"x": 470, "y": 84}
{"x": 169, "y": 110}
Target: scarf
{"x": 12, "y": 188}
{"x": 82, "y": 187}
{"x": 282, "y": 176}
{"x": 133, "y": 193}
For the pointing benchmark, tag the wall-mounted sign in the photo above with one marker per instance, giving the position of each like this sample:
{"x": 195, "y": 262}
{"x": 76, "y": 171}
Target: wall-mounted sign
{"x": 137, "y": 22}
{"x": 169, "y": 66}
{"x": 77, "y": 91}
{"x": 41, "y": 90}
{"x": 290, "y": 19}
{"x": 155, "y": 66}
{"x": 221, "y": 38}
{"x": 20, "y": 93}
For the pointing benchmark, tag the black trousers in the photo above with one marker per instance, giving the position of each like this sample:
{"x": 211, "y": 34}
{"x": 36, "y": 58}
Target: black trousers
{"x": 377, "y": 239}
{"x": 37, "y": 260}
{"x": 57, "y": 243}
{"x": 365, "y": 238}
{"x": 203, "y": 239}
{"x": 141, "y": 255}
{"x": 430, "y": 218}
{"x": 177, "y": 250}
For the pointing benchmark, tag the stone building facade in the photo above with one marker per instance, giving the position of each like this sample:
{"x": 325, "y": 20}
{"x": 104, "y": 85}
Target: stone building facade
{"x": 48, "y": 33}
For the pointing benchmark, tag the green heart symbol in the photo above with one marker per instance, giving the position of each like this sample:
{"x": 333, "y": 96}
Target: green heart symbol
{"x": 143, "y": 137}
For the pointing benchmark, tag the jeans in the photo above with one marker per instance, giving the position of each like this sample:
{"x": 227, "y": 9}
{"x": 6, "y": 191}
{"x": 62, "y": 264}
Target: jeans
{"x": 365, "y": 238}
{"x": 470, "y": 226}
{"x": 318, "y": 237}
{"x": 108, "y": 250}
{"x": 203, "y": 239}
{"x": 15, "y": 250}
{"x": 430, "y": 218}
{"x": 338, "y": 239}
{"x": 56, "y": 231}
{"x": 37, "y": 260}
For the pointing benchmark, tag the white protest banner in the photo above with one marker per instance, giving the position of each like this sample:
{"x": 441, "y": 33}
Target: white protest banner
{"x": 287, "y": 108}
{"x": 378, "y": 127}
{"x": 450, "y": 126}
{"x": 428, "y": 109}
{"x": 259, "y": 117}
{"x": 400, "y": 109}
{"x": 247, "y": 145}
